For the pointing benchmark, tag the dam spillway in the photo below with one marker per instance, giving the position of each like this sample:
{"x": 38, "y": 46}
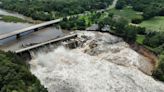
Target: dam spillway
{"x": 25, "y": 52}
{"x": 102, "y": 63}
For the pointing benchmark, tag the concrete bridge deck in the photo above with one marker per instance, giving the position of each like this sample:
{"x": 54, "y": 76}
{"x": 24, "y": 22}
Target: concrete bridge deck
{"x": 17, "y": 32}
{"x": 4, "y": 36}
{"x": 46, "y": 43}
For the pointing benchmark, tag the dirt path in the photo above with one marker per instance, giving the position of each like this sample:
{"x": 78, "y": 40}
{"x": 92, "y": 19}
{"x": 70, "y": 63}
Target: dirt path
{"x": 113, "y": 4}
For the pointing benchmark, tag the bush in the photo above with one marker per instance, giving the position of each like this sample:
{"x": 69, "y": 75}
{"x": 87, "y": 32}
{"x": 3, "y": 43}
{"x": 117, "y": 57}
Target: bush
{"x": 137, "y": 20}
{"x": 154, "y": 39}
{"x": 141, "y": 30}
{"x": 130, "y": 33}
{"x": 120, "y": 4}
{"x": 159, "y": 73}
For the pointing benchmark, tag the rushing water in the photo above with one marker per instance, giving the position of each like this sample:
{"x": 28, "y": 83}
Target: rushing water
{"x": 30, "y": 37}
{"x": 104, "y": 63}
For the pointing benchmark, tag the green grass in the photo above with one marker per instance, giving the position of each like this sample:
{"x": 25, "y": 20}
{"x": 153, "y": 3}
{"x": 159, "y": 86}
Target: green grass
{"x": 154, "y": 24}
{"x": 140, "y": 39}
{"x": 11, "y": 19}
{"x": 127, "y": 12}
{"x": 87, "y": 19}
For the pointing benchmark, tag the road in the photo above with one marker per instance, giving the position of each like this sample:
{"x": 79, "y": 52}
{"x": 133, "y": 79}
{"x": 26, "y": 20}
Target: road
{"x": 113, "y": 4}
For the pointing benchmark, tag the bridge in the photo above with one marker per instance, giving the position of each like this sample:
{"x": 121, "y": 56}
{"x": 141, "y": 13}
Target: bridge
{"x": 25, "y": 52}
{"x": 35, "y": 27}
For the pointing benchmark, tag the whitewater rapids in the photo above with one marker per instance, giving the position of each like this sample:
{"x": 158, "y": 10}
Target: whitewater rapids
{"x": 103, "y": 63}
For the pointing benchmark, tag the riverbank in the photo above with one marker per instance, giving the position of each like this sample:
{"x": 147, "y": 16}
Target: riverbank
{"x": 16, "y": 16}
{"x": 15, "y": 75}
{"x": 149, "y": 55}
{"x": 146, "y": 53}
{"x": 12, "y": 19}
{"x": 100, "y": 64}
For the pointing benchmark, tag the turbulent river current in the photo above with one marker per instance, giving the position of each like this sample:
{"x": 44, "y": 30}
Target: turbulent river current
{"x": 102, "y": 63}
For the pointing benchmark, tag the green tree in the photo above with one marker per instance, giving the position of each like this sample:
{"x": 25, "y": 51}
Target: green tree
{"x": 159, "y": 73}
{"x": 15, "y": 76}
{"x": 120, "y": 4}
{"x": 130, "y": 33}
{"x": 119, "y": 23}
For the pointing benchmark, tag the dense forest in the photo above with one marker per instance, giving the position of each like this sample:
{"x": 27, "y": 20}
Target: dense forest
{"x": 15, "y": 75}
{"x": 50, "y": 9}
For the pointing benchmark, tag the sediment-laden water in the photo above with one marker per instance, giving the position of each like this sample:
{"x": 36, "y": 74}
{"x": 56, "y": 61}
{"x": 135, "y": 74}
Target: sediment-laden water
{"x": 102, "y": 63}
{"x": 12, "y": 44}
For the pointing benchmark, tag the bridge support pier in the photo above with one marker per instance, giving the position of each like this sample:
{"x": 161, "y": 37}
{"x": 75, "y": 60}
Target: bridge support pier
{"x": 18, "y": 36}
{"x": 35, "y": 30}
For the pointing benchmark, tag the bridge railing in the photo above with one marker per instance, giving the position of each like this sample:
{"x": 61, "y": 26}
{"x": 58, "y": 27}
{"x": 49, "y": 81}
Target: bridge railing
{"x": 46, "y": 43}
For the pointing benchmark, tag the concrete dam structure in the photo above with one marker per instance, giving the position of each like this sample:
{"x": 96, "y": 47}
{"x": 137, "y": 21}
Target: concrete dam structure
{"x": 66, "y": 41}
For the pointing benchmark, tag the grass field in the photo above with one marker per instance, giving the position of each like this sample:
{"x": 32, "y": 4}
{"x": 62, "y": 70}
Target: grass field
{"x": 11, "y": 19}
{"x": 127, "y": 12}
{"x": 140, "y": 39}
{"x": 154, "y": 24}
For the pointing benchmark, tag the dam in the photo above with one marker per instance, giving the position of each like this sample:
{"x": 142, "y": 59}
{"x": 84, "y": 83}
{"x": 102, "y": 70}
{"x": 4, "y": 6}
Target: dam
{"x": 65, "y": 41}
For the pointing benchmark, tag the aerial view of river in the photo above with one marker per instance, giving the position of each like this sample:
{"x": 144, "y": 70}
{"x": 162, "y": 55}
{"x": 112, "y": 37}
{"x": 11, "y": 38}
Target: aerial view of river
{"x": 30, "y": 38}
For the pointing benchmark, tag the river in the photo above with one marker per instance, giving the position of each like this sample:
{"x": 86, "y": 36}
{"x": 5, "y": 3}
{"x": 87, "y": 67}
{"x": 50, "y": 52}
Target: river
{"x": 13, "y": 44}
{"x": 104, "y": 63}
{"x": 9, "y": 13}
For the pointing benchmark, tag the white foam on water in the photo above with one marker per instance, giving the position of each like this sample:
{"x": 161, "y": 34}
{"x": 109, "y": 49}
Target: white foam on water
{"x": 64, "y": 70}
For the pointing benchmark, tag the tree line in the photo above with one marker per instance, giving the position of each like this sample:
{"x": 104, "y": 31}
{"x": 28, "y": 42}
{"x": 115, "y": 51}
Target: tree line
{"x": 155, "y": 40}
{"x": 118, "y": 25}
{"x": 50, "y": 9}
{"x": 15, "y": 75}
{"x": 150, "y": 8}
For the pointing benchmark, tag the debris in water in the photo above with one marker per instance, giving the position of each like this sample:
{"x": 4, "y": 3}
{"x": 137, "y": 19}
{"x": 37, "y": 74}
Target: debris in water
{"x": 103, "y": 63}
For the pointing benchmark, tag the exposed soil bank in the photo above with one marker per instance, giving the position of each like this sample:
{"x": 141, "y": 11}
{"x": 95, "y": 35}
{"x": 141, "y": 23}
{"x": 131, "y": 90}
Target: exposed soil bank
{"x": 150, "y": 56}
